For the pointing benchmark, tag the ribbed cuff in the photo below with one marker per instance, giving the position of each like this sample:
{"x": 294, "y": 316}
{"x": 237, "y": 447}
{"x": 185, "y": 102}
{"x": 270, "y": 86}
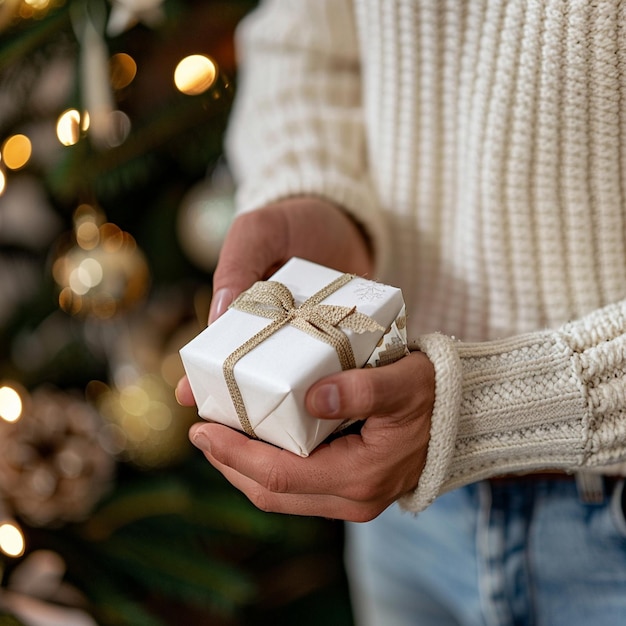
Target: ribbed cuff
{"x": 442, "y": 352}
{"x": 515, "y": 405}
{"x": 523, "y": 409}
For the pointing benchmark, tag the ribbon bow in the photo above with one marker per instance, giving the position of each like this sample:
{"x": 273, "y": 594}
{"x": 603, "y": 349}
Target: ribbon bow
{"x": 273, "y": 300}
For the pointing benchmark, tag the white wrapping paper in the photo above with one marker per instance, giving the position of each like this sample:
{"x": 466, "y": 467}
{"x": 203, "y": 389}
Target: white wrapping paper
{"x": 274, "y": 377}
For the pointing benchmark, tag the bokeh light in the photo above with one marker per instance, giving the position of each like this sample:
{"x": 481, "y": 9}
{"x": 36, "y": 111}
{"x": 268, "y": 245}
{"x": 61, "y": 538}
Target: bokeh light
{"x": 16, "y": 151}
{"x": 119, "y": 129}
{"x": 35, "y": 8}
{"x": 3, "y": 182}
{"x": 102, "y": 271}
{"x": 145, "y": 423}
{"x": 123, "y": 69}
{"x": 195, "y": 74}
{"x": 11, "y": 540}
{"x": 87, "y": 222}
{"x": 88, "y": 274}
{"x": 87, "y": 235}
{"x": 70, "y": 126}
{"x": 10, "y": 404}
{"x": 38, "y": 5}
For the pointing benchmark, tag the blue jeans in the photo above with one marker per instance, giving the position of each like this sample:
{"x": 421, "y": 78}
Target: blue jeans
{"x": 523, "y": 552}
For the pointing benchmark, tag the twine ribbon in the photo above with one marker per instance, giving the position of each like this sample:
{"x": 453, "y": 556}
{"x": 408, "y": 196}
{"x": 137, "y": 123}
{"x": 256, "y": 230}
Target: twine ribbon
{"x": 273, "y": 300}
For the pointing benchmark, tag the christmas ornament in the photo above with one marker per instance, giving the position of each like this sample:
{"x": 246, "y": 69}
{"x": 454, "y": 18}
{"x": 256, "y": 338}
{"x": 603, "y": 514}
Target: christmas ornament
{"x": 88, "y": 20}
{"x": 147, "y": 427}
{"x": 101, "y": 271}
{"x": 37, "y": 593}
{"x": 53, "y": 468}
{"x": 28, "y": 225}
{"x": 26, "y": 217}
{"x": 126, "y": 13}
{"x": 204, "y": 216}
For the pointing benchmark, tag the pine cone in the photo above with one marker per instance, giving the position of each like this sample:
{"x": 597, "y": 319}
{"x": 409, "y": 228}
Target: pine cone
{"x": 52, "y": 467}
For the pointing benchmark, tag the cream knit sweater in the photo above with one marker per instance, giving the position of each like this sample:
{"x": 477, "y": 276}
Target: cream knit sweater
{"x": 482, "y": 144}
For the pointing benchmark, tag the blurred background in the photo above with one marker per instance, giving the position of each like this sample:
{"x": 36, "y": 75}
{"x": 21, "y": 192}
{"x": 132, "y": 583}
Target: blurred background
{"x": 114, "y": 201}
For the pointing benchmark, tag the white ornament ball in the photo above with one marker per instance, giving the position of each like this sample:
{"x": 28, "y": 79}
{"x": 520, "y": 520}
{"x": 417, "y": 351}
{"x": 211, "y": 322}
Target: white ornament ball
{"x": 204, "y": 217}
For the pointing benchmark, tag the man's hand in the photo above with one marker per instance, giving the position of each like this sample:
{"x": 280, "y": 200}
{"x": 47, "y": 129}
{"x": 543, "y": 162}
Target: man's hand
{"x": 354, "y": 477}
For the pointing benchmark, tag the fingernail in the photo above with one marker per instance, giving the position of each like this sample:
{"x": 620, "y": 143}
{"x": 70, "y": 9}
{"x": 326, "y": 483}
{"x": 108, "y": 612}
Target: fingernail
{"x": 199, "y": 438}
{"x": 326, "y": 400}
{"x": 222, "y": 298}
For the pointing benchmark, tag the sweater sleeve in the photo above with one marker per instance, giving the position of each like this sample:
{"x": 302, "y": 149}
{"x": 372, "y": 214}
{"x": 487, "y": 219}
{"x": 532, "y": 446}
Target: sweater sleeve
{"x": 545, "y": 400}
{"x": 297, "y": 124}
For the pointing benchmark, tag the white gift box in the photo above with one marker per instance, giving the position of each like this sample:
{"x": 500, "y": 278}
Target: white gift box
{"x": 273, "y": 376}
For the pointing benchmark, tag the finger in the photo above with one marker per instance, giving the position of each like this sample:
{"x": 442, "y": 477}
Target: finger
{"x": 319, "y": 505}
{"x": 341, "y": 468}
{"x": 183, "y": 392}
{"x": 250, "y": 252}
{"x": 405, "y": 388}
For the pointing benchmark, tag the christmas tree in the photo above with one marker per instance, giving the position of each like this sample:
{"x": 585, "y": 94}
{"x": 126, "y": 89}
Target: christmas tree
{"x": 114, "y": 201}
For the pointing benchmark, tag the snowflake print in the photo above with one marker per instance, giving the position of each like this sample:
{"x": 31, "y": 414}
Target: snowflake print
{"x": 368, "y": 291}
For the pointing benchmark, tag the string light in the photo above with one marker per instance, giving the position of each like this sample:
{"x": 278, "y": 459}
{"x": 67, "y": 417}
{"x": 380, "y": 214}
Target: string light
{"x": 38, "y": 5}
{"x": 123, "y": 69}
{"x": 12, "y": 541}
{"x": 16, "y": 151}
{"x": 70, "y": 126}
{"x": 10, "y": 404}
{"x": 195, "y": 74}
{"x": 34, "y": 8}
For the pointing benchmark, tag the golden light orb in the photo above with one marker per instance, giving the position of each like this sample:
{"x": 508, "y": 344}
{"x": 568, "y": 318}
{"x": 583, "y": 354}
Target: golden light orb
{"x": 11, "y": 540}
{"x": 16, "y": 151}
{"x": 38, "y": 5}
{"x": 195, "y": 74}
{"x": 69, "y": 127}
{"x": 10, "y": 404}
{"x": 122, "y": 69}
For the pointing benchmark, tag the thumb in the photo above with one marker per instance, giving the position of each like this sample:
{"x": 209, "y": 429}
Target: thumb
{"x": 401, "y": 388}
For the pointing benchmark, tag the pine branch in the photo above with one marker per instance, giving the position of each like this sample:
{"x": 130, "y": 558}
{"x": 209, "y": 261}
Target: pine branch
{"x": 113, "y": 606}
{"x": 109, "y": 172}
{"x": 201, "y": 580}
{"x": 25, "y": 40}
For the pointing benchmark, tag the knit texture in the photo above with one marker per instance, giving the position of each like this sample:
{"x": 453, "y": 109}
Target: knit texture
{"x": 481, "y": 143}
{"x": 549, "y": 400}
